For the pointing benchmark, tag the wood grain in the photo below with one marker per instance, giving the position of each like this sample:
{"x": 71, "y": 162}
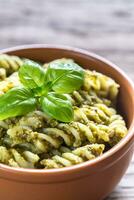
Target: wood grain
{"x": 104, "y": 27}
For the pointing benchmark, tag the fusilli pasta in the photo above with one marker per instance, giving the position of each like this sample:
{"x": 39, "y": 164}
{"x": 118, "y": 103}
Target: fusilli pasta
{"x": 15, "y": 158}
{"x": 68, "y": 158}
{"x": 38, "y": 141}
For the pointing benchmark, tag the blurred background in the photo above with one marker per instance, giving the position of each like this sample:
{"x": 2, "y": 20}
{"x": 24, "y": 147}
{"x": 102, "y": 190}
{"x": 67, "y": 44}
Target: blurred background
{"x": 105, "y": 27}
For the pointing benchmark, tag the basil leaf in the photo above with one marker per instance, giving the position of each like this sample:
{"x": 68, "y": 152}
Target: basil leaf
{"x": 31, "y": 74}
{"x": 57, "y": 106}
{"x": 65, "y": 77}
{"x": 17, "y": 101}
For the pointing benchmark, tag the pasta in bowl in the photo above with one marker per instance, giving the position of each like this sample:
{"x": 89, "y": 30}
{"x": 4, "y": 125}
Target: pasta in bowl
{"x": 37, "y": 140}
{"x": 63, "y": 118}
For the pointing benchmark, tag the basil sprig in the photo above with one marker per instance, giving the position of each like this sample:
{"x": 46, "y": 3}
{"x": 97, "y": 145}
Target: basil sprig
{"x": 46, "y": 89}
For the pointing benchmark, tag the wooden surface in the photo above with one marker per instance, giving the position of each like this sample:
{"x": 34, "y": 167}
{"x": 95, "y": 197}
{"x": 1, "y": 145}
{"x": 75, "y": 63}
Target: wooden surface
{"x": 105, "y": 27}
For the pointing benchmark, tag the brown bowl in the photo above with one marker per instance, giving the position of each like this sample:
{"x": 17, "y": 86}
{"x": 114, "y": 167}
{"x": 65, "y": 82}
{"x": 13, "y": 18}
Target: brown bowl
{"x": 92, "y": 180}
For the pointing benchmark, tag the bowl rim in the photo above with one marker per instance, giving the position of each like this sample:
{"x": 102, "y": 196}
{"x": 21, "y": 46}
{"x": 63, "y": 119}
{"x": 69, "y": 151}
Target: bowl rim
{"x": 90, "y": 163}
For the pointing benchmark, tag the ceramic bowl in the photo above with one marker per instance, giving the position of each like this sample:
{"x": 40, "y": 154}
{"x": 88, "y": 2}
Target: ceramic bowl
{"x": 92, "y": 180}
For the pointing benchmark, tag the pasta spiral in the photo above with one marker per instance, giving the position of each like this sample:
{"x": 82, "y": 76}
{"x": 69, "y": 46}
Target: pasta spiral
{"x": 14, "y": 158}
{"x": 10, "y": 63}
{"x": 103, "y": 85}
{"x": 117, "y": 129}
{"x": 68, "y": 158}
{"x": 82, "y": 97}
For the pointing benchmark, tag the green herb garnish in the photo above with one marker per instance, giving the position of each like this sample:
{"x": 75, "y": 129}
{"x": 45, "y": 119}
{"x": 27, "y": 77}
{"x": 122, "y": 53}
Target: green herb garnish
{"x": 46, "y": 89}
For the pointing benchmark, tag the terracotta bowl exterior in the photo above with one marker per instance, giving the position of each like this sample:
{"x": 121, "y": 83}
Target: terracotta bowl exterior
{"x": 92, "y": 180}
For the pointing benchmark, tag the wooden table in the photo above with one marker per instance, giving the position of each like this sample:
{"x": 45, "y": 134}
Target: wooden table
{"x": 104, "y": 27}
